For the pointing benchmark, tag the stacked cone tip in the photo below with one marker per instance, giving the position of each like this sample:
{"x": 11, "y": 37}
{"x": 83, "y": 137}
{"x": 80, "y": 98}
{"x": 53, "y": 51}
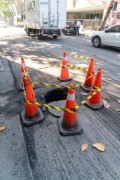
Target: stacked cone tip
{"x": 89, "y": 80}
{"x": 96, "y": 102}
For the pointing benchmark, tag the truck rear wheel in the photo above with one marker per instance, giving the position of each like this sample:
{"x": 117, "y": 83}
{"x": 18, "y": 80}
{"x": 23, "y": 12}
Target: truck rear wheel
{"x": 39, "y": 37}
{"x": 28, "y": 32}
{"x": 55, "y": 37}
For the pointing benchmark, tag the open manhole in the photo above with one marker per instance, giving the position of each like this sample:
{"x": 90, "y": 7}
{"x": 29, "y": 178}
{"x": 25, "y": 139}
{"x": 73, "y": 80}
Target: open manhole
{"x": 56, "y": 97}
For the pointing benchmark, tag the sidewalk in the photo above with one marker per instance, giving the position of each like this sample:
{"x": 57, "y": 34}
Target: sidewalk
{"x": 13, "y": 154}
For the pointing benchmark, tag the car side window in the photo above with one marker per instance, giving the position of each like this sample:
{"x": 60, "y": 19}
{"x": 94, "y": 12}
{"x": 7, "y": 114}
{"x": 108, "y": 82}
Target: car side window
{"x": 114, "y": 29}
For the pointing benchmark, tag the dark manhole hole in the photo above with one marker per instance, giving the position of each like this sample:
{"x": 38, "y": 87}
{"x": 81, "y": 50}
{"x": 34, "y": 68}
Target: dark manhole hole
{"x": 56, "y": 97}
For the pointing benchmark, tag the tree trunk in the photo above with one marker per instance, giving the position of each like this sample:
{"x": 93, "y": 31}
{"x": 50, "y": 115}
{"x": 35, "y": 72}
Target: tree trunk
{"x": 106, "y": 16}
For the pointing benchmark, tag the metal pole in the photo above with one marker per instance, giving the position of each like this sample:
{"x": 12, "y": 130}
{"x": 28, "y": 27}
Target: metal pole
{"x": 57, "y": 13}
{"x": 49, "y": 12}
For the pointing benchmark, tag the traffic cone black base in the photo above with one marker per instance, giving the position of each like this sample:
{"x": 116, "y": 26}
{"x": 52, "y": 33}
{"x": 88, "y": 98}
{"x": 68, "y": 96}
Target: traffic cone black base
{"x": 95, "y": 108}
{"x": 64, "y": 131}
{"x": 31, "y": 121}
{"x": 64, "y": 80}
{"x": 85, "y": 87}
{"x": 23, "y": 87}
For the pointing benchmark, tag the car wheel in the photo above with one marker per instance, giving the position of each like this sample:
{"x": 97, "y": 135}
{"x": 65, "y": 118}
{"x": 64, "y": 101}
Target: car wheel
{"x": 96, "y": 42}
{"x": 65, "y": 33}
{"x": 55, "y": 37}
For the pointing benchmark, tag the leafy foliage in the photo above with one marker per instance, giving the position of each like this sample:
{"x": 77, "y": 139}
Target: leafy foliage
{"x": 5, "y": 8}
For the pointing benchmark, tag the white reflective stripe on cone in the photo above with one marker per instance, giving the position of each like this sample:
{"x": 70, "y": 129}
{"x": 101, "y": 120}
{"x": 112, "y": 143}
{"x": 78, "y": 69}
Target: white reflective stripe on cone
{"x": 25, "y": 73}
{"x": 71, "y": 97}
{"x": 64, "y": 58}
{"x": 23, "y": 65}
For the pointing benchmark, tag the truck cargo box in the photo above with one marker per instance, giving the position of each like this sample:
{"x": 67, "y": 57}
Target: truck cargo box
{"x": 45, "y": 16}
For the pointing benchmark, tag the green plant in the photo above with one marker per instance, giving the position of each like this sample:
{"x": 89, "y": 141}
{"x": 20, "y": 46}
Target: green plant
{"x": 5, "y": 8}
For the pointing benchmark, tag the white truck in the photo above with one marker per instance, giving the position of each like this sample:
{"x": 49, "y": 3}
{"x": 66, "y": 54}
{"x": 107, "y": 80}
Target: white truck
{"x": 45, "y": 17}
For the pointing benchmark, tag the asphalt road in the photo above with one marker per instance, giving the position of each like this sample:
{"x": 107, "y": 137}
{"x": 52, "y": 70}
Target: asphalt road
{"x": 110, "y": 55}
{"x": 31, "y": 153}
{"x": 79, "y": 44}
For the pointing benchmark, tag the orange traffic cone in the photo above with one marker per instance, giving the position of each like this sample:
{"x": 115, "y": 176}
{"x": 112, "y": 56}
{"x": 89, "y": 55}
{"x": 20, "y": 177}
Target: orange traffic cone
{"x": 96, "y": 102}
{"x": 25, "y": 74}
{"x": 87, "y": 86}
{"x": 32, "y": 113}
{"x": 69, "y": 124}
{"x": 64, "y": 76}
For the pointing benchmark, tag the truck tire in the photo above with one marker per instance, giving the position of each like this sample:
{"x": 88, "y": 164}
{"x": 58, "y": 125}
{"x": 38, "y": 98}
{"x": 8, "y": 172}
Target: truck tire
{"x": 55, "y": 37}
{"x": 28, "y": 32}
{"x": 39, "y": 37}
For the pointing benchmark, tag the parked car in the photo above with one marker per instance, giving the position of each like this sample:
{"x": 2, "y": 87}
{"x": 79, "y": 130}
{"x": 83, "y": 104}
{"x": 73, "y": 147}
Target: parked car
{"x": 18, "y": 21}
{"x": 108, "y": 37}
{"x": 70, "y": 28}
